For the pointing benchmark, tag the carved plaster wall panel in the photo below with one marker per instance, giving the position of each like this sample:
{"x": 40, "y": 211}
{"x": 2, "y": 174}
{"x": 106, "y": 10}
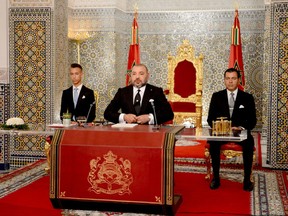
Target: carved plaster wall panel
{"x": 31, "y": 3}
{"x": 168, "y": 5}
{"x": 92, "y": 20}
{"x": 184, "y": 5}
{"x": 120, "y": 4}
{"x": 61, "y": 68}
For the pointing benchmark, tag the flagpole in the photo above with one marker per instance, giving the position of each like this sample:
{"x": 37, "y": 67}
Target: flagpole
{"x": 235, "y": 58}
{"x": 134, "y": 53}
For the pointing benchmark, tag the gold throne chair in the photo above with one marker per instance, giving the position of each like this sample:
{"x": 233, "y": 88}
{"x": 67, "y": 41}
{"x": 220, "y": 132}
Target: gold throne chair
{"x": 184, "y": 86}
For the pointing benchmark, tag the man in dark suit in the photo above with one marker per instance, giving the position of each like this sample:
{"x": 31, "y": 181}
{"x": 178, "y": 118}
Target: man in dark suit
{"x": 135, "y": 101}
{"x": 78, "y": 99}
{"x": 240, "y": 109}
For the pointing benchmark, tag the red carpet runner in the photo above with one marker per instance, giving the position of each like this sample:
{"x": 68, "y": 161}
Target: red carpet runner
{"x": 230, "y": 199}
{"x": 26, "y": 192}
{"x": 31, "y": 200}
{"x": 198, "y": 198}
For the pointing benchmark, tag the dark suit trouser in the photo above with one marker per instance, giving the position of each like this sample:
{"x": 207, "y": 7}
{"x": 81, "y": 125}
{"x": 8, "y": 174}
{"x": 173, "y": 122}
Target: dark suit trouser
{"x": 247, "y": 148}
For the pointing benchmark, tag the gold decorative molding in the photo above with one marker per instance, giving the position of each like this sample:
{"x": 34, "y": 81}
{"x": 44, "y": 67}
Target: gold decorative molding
{"x": 47, "y": 149}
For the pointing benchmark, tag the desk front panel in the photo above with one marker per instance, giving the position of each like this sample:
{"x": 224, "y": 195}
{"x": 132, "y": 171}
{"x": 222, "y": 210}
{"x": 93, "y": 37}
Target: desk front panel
{"x": 110, "y": 165}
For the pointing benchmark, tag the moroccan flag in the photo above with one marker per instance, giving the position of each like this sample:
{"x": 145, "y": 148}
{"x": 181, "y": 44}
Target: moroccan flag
{"x": 134, "y": 52}
{"x": 236, "y": 60}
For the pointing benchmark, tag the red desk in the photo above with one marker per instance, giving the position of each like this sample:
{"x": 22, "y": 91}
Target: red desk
{"x": 114, "y": 169}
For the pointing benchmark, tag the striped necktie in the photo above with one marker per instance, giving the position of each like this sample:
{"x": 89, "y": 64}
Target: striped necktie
{"x": 231, "y": 103}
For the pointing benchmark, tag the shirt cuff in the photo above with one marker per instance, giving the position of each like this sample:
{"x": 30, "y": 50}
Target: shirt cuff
{"x": 151, "y": 119}
{"x": 121, "y": 118}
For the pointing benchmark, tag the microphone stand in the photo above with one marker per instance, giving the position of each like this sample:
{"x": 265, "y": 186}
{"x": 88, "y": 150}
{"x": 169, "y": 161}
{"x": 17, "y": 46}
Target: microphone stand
{"x": 157, "y": 127}
{"x": 86, "y": 123}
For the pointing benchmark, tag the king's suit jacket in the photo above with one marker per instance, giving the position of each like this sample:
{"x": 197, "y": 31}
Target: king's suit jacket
{"x": 123, "y": 100}
{"x": 85, "y": 100}
{"x": 244, "y": 113}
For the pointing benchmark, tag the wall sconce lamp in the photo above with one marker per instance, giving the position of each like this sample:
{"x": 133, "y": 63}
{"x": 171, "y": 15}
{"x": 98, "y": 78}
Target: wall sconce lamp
{"x": 78, "y": 37}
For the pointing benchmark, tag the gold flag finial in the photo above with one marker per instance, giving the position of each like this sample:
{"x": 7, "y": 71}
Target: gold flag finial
{"x": 136, "y": 10}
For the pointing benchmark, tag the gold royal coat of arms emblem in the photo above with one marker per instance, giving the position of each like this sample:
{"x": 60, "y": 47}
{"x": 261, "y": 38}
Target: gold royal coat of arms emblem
{"x": 110, "y": 176}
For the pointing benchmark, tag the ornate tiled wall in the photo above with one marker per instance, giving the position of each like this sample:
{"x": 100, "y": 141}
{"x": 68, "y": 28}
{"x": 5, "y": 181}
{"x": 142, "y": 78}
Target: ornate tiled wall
{"x": 266, "y": 69}
{"x": 4, "y": 115}
{"x": 278, "y": 75}
{"x": 30, "y": 78}
{"x": 39, "y": 65}
{"x": 4, "y": 138}
{"x": 60, "y": 56}
{"x": 266, "y": 82}
{"x": 161, "y": 33}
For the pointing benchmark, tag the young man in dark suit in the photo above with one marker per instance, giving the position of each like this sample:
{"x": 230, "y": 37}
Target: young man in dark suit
{"x": 135, "y": 101}
{"x": 240, "y": 109}
{"x": 78, "y": 99}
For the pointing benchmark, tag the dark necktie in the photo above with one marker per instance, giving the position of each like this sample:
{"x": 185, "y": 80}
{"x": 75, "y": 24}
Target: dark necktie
{"x": 231, "y": 103}
{"x": 137, "y": 101}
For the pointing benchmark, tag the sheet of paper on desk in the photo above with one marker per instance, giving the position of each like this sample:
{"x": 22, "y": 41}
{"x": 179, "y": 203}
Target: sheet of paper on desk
{"x": 59, "y": 125}
{"x": 123, "y": 125}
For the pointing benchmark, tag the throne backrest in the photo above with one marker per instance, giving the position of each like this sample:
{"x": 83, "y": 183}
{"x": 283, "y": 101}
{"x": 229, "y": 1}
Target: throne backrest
{"x": 184, "y": 86}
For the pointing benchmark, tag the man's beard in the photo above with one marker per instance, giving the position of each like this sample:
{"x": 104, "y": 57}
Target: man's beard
{"x": 139, "y": 85}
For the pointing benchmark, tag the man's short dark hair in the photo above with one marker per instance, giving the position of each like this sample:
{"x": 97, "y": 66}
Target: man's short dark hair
{"x": 140, "y": 64}
{"x": 229, "y": 70}
{"x": 76, "y": 65}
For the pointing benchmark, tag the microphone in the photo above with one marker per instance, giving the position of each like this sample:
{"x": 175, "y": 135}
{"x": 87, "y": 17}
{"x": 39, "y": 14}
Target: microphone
{"x": 154, "y": 112}
{"x": 89, "y": 110}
